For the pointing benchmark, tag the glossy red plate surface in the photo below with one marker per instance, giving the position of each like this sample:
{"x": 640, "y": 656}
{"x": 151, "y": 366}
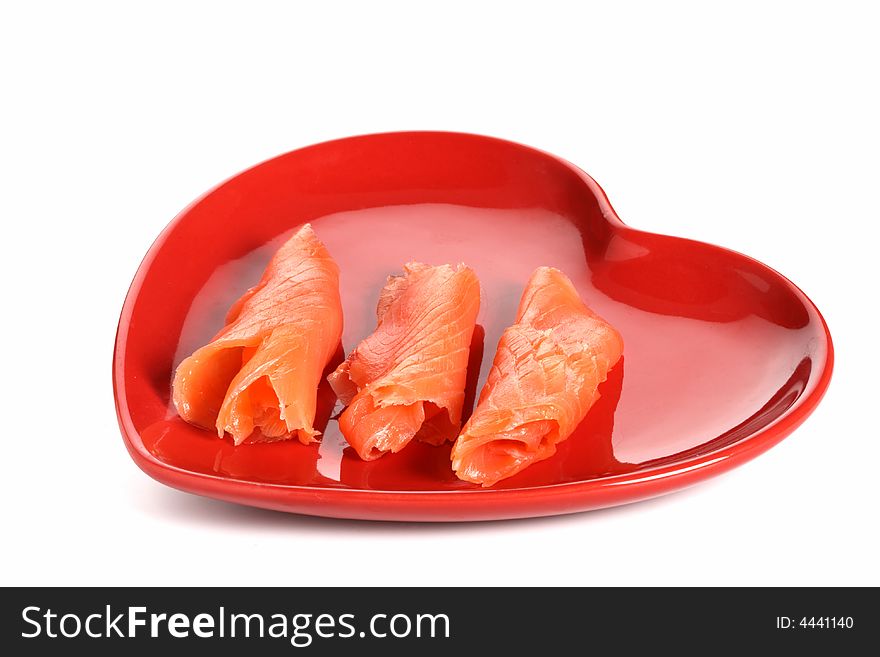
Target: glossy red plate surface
{"x": 724, "y": 357}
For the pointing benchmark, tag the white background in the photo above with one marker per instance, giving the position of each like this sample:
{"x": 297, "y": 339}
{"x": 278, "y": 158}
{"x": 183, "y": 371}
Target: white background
{"x": 754, "y": 127}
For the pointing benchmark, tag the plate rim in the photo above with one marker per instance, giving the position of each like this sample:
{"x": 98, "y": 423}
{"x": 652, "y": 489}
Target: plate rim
{"x": 641, "y": 483}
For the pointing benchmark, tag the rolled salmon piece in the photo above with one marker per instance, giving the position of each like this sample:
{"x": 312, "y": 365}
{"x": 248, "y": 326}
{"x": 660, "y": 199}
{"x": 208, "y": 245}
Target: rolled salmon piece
{"x": 407, "y": 379}
{"x": 262, "y": 370}
{"x": 543, "y": 381}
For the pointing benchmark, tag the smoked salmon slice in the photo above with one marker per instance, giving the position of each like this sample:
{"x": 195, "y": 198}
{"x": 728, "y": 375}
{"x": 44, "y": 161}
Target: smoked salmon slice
{"x": 407, "y": 379}
{"x": 543, "y": 380}
{"x": 262, "y": 370}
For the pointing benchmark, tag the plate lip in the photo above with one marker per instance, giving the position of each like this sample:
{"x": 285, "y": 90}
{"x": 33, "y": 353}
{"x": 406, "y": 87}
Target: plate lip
{"x": 639, "y": 483}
